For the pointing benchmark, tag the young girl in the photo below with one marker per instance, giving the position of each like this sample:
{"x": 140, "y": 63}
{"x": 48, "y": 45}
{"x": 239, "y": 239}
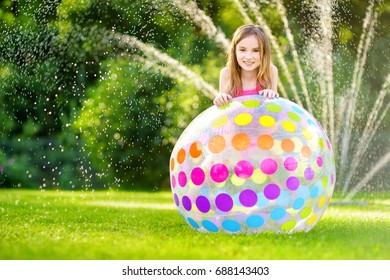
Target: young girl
{"x": 249, "y": 69}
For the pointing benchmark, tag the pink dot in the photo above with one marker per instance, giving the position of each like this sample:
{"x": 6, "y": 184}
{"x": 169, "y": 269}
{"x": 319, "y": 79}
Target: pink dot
{"x": 320, "y": 162}
{"x": 219, "y": 172}
{"x": 290, "y": 164}
{"x": 182, "y": 179}
{"x": 173, "y": 181}
{"x": 309, "y": 173}
{"x": 197, "y": 176}
{"x": 243, "y": 169}
{"x": 269, "y": 166}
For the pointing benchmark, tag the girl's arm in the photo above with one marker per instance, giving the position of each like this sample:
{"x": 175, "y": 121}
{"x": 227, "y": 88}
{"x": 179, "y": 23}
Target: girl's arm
{"x": 223, "y": 96}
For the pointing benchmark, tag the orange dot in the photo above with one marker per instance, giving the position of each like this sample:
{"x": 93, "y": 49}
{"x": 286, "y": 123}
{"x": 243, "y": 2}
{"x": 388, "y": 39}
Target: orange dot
{"x": 196, "y": 149}
{"x": 217, "y": 144}
{"x": 288, "y": 145}
{"x": 172, "y": 164}
{"x": 306, "y": 152}
{"x": 241, "y": 141}
{"x": 181, "y": 155}
{"x": 265, "y": 142}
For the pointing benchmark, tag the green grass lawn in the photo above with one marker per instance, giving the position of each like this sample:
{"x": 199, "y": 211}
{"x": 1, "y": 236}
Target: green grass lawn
{"x": 140, "y": 225}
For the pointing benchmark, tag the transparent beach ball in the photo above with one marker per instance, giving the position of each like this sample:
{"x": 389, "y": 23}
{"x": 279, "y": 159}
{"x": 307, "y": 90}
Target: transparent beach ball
{"x": 253, "y": 165}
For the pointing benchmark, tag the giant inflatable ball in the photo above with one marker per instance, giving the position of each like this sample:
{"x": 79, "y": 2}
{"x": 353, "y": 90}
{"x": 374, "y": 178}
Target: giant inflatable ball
{"x": 253, "y": 165}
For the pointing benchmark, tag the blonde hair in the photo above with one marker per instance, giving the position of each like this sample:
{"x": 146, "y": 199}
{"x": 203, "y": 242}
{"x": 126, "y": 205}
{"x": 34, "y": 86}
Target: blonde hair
{"x": 264, "y": 71}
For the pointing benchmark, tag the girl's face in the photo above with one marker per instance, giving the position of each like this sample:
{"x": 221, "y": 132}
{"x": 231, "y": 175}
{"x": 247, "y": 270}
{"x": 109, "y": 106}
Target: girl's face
{"x": 248, "y": 53}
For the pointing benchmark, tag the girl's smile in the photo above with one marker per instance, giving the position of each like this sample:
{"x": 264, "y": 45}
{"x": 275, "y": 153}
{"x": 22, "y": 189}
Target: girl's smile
{"x": 248, "y": 53}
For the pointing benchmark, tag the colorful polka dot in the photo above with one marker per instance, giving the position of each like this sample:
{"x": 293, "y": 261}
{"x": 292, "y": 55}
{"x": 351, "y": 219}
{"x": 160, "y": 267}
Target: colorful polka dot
{"x": 193, "y": 223}
{"x": 251, "y": 103}
{"x": 258, "y": 177}
{"x": 254, "y": 221}
{"x": 187, "y": 204}
{"x": 224, "y": 202}
{"x": 243, "y": 169}
{"x": 209, "y": 226}
{"x": 231, "y": 225}
{"x": 248, "y": 198}
{"x": 272, "y": 191}
{"x": 181, "y": 156}
{"x": 265, "y": 142}
{"x": 309, "y": 173}
{"x": 217, "y": 144}
{"x": 241, "y": 141}
{"x": 320, "y": 161}
{"x": 196, "y": 149}
{"x": 203, "y": 204}
{"x": 298, "y": 203}
{"x": 220, "y": 121}
{"x": 182, "y": 179}
{"x": 278, "y": 213}
{"x": 267, "y": 121}
{"x": 305, "y": 212}
{"x": 306, "y": 151}
{"x": 292, "y": 183}
{"x": 288, "y": 226}
{"x": 243, "y": 119}
{"x": 176, "y": 199}
{"x": 288, "y": 145}
{"x": 289, "y": 126}
{"x": 172, "y": 165}
{"x": 173, "y": 181}
{"x": 293, "y": 116}
{"x": 198, "y": 176}
{"x": 290, "y": 164}
{"x": 219, "y": 173}
{"x": 269, "y": 166}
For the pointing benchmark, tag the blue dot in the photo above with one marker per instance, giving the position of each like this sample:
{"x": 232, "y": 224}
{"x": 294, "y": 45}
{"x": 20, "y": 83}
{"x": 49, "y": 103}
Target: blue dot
{"x": 255, "y": 221}
{"x": 310, "y": 122}
{"x": 262, "y": 201}
{"x": 284, "y": 198}
{"x": 278, "y": 213}
{"x": 298, "y": 203}
{"x": 296, "y": 109}
{"x": 193, "y": 223}
{"x": 314, "y": 192}
{"x": 209, "y": 226}
{"x": 205, "y": 191}
{"x": 304, "y": 192}
{"x": 231, "y": 225}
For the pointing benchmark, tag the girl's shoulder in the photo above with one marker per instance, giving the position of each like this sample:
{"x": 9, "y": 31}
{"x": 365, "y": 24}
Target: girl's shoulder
{"x": 273, "y": 69}
{"x": 225, "y": 71}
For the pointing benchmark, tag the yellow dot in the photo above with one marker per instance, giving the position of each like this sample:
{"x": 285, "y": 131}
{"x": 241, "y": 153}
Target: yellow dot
{"x": 322, "y": 201}
{"x": 289, "y": 126}
{"x": 287, "y": 226}
{"x": 237, "y": 181}
{"x": 267, "y": 121}
{"x": 306, "y": 133}
{"x": 312, "y": 219}
{"x": 220, "y": 121}
{"x": 243, "y": 119}
{"x": 305, "y": 212}
{"x": 258, "y": 177}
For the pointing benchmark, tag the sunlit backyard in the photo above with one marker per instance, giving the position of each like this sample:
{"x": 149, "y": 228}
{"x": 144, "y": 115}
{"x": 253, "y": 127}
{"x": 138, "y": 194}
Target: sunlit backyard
{"x": 146, "y": 225}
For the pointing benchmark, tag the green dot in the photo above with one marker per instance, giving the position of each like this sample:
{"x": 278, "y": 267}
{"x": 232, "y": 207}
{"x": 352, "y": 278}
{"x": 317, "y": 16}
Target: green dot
{"x": 321, "y": 143}
{"x": 287, "y": 226}
{"x": 273, "y": 108}
{"x": 251, "y": 103}
{"x": 305, "y": 212}
{"x": 294, "y": 116}
{"x": 225, "y": 106}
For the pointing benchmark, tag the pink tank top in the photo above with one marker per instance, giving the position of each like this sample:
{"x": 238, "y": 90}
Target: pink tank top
{"x": 248, "y": 91}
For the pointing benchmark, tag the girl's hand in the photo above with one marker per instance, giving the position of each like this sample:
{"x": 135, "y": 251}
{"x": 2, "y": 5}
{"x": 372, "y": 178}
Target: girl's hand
{"x": 269, "y": 93}
{"x": 222, "y": 99}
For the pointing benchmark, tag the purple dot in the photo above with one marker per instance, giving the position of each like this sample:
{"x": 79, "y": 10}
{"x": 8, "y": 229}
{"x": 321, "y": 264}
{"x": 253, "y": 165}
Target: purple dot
{"x": 292, "y": 183}
{"x": 176, "y": 199}
{"x": 248, "y": 198}
{"x": 182, "y": 179}
{"x": 272, "y": 191}
{"x": 328, "y": 144}
{"x": 197, "y": 176}
{"x": 332, "y": 178}
{"x": 309, "y": 173}
{"x": 203, "y": 204}
{"x": 224, "y": 202}
{"x": 320, "y": 162}
{"x": 219, "y": 173}
{"x": 186, "y": 201}
{"x": 243, "y": 169}
{"x": 269, "y": 166}
{"x": 173, "y": 181}
{"x": 290, "y": 164}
